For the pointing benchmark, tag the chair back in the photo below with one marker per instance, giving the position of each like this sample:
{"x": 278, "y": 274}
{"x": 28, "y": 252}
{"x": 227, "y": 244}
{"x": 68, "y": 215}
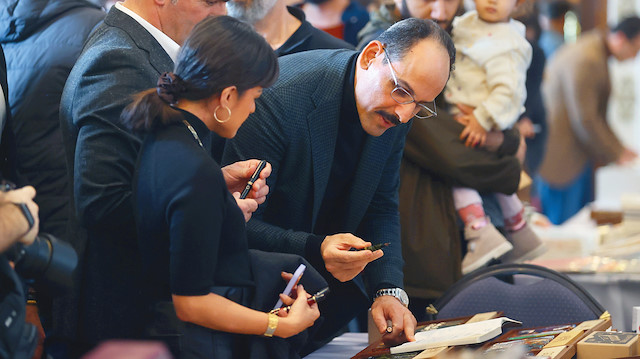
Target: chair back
{"x": 535, "y": 295}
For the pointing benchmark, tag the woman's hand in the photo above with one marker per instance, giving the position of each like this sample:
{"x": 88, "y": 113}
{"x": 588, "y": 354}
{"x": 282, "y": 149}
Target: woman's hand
{"x": 237, "y": 174}
{"x": 300, "y": 317}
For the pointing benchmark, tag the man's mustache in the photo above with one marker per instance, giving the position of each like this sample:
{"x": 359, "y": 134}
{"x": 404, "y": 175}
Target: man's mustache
{"x": 389, "y": 117}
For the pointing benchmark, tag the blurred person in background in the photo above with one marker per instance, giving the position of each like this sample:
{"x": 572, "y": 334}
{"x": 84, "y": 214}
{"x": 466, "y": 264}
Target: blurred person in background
{"x": 390, "y": 12}
{"x": 576, "y": 90}
{"x": 552, "y": 13}
{"x": 284, "y": 27}
{"x": 340, "y": 18}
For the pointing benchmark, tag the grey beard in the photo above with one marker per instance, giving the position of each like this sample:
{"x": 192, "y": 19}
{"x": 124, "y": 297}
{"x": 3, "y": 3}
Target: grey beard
{"x": 251, "y": 12}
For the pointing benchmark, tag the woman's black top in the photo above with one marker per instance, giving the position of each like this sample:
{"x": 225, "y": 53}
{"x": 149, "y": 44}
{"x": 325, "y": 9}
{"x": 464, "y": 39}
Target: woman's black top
{"x": 191, "y": 231}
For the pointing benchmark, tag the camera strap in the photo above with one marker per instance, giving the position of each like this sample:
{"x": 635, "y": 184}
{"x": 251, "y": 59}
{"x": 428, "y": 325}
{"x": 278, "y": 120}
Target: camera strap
{"x": 18, "y": 339}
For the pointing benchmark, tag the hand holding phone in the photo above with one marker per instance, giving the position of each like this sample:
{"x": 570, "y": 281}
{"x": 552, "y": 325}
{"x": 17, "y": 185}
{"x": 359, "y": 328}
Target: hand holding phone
{"x": 287, "y": 290}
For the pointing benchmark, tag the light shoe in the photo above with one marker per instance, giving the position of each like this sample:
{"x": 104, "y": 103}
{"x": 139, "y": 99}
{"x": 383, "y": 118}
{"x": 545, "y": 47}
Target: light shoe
{"x": 526, "y": 246}
{"x": 483, "y": 245}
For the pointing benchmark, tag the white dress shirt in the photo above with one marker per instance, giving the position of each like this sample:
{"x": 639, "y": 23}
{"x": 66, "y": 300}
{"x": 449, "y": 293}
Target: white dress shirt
{"x": 171, "y": 47}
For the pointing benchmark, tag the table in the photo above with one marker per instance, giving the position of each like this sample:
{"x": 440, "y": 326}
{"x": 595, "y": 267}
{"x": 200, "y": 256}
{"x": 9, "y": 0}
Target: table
{"x": 617, "y": 292}
{"x": 344, "y": 346}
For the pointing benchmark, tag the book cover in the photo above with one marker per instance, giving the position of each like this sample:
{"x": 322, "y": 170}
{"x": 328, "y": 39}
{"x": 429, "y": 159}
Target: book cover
{"x": 473, "y": 333}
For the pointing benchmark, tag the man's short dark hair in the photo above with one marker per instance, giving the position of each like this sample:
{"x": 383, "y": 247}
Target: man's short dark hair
{"x": 403, "y": 35}
{"x": 630, "y": 27}
{"x": 555, "y": 9}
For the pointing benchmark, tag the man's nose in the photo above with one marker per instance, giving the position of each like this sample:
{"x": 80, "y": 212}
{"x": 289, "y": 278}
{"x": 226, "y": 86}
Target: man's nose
{"x": 405, "y": 112}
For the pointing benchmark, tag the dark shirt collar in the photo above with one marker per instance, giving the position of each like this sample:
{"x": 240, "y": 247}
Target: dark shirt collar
{"x": 348, "y": 109}
{"x": 301, "y": 35}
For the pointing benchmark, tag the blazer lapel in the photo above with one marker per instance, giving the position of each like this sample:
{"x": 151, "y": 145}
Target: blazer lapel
{"x": 323, "y": 132}
{"x": 158, "y": 58}
{"x": 372, "y": 162}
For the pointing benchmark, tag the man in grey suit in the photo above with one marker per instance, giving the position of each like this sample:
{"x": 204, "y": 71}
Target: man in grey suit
{"x": 138, "y": 41}
{"x": 333, "y": 127}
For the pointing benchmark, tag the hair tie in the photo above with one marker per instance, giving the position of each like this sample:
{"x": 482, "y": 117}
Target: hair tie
{"x": 170, "y": 87}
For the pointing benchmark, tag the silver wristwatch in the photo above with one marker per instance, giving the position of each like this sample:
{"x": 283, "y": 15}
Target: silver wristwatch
{"x": 399, "y": 293}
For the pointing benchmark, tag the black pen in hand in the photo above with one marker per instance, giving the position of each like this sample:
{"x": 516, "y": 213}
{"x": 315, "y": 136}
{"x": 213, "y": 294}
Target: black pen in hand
{"x": 372, "y": 248}
{"x": 253, "y": 179}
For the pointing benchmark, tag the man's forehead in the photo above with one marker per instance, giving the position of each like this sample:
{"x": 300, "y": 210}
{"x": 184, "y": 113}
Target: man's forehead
{"x": 424, "y": 65}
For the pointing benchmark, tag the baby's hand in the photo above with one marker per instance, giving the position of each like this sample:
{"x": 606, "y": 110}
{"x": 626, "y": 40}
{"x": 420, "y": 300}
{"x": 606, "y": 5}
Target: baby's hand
{"x": 473, "y": 132}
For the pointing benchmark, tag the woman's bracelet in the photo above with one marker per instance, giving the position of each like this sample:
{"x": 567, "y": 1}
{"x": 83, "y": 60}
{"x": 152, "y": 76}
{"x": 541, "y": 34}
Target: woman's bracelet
{"x": 273, "y": 324}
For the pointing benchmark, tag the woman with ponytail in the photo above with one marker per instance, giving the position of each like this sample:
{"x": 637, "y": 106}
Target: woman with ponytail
{"x": 191, "y": 231}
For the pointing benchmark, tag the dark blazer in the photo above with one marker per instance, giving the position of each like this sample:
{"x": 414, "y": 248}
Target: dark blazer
{"x": 295, "y": 128}
{"x": 7, "y": 144}
{"x": 119, "y": 59}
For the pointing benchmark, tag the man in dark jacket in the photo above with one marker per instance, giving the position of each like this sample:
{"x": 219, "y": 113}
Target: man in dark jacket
{"x": 434, "y": 159}
{"x": 42, "y": 40}
{"x": 125, "y": 54}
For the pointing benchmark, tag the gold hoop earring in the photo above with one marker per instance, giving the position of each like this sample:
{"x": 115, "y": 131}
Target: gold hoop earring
{"x": 215, "y": 114}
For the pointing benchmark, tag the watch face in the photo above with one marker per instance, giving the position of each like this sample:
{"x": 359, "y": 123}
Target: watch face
{"x": 404, "y": 298}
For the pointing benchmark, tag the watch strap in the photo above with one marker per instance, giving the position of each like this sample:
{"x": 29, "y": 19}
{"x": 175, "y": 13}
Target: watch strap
{"x": 398, "y": 293}
{"x": 273, "y": 324}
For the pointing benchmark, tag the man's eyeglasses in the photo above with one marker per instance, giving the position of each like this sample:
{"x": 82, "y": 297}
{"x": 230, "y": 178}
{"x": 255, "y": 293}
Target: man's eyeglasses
{"x": 402, "y": 96}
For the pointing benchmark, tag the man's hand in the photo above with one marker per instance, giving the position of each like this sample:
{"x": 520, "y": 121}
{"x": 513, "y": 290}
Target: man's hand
{"x": 237, "y": 174}
{"x": 342, "y": 263}
{"x": 387, "y": 307}
{"x": 247, "y": 205}
{"x": 25, "y": 195}
{"x": 526, "y": 128}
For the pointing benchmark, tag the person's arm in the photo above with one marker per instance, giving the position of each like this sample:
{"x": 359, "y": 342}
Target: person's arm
{"x": 434, "y": 145}
{"x": 105, "y": 152}
{"x": 197, "y": 210}
{"x": 14, "y": 225}
{"x": 381, "y": 224}
{"x": 219, "y": 313}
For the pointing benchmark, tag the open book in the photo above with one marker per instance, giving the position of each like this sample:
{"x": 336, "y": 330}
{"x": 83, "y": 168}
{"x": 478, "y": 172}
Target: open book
{"x": 462, "y": 334}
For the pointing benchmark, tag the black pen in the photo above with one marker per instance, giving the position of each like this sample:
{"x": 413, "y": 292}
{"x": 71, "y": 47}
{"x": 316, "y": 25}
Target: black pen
{"x": 374, "y": 247}
{"x": 253, "y": 179}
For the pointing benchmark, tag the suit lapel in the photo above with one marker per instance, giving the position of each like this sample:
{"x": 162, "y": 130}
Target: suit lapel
{"x": 323, "y": 124}
{"x": 372, "y": 161}
{"x": 323, "y": 132}
{"x": 158, "y": 58}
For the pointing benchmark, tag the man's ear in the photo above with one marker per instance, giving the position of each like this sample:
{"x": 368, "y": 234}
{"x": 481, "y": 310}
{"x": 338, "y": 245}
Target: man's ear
{"x": 369, "y": 53}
